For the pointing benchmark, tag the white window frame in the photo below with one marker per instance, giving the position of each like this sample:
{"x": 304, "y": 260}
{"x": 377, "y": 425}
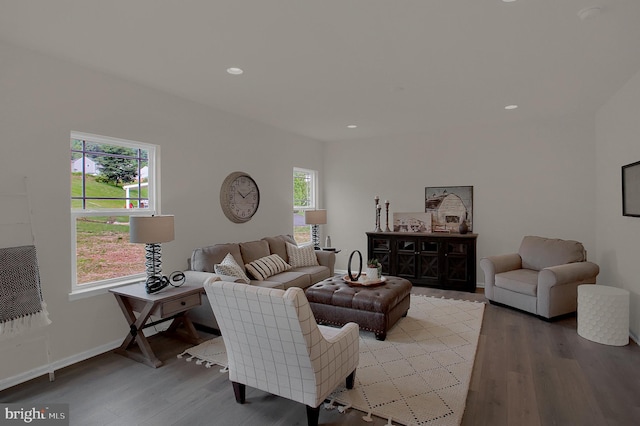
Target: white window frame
{"x": 103, "y": 286}
{"x": 313, "y": 196}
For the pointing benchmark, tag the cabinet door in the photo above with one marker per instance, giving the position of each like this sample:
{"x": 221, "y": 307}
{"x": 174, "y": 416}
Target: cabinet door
{"x": 428, "y": 253}
{"x": 380, "y": 248}
{"x": 405, "y": 257}
{"x": 456, "y": 263}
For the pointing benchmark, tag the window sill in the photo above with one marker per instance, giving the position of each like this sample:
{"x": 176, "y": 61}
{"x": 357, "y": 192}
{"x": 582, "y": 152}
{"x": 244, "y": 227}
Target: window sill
{"x": 92, "y": 291}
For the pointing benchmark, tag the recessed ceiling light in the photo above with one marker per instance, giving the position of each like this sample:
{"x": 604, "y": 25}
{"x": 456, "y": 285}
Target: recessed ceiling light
{"x": 235, "y": 71}
{"x": 511, "y": 107}
{"x": 352, "y": 126}
{"x": 508, "y": 1}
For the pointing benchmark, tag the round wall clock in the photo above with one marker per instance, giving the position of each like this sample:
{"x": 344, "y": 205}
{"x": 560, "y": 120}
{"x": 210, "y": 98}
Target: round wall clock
{"x": 239, "y": 197}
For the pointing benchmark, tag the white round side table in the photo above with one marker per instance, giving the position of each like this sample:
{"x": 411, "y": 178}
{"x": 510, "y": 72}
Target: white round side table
{"x": 603, "y": 314}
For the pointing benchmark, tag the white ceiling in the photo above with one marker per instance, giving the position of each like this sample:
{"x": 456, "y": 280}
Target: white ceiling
{"x": 314, "y": 66}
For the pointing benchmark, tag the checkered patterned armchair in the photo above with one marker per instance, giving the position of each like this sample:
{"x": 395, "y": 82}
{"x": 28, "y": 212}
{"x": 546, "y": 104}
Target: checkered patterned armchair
{"x": 274, "y": 344}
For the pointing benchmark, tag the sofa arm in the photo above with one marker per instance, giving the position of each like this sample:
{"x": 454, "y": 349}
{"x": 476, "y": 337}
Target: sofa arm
{"x": 558, "y": 287}
{"x": 493, "y": 265}
{"x": 578, "y": 272}
{"x": 326, "y": 258}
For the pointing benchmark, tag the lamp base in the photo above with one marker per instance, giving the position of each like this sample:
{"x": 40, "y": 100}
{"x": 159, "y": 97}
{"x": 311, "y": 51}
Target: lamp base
{"x": 315, "y": 238}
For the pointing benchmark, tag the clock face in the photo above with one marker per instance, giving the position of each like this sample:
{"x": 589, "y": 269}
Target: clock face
{"x": 239, "y": 197}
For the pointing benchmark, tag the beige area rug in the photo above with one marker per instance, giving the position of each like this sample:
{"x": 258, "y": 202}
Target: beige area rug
{"x": 418, "y": 376}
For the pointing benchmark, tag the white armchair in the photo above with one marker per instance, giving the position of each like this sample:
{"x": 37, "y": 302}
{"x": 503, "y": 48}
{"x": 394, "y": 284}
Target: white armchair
{"x": 542, "y": 278}
{"x": 274, "y": 344}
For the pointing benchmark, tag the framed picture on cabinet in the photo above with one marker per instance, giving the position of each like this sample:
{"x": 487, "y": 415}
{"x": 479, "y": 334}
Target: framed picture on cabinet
{"x": 412, "y": 222}
{"x": 449, "y": 206}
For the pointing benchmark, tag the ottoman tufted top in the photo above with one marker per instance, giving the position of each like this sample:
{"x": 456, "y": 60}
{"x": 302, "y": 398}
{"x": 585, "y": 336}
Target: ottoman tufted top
{"x": 336, "y": 292}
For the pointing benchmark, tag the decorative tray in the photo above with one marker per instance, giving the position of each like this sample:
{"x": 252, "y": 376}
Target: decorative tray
{"x": 363, "y": 281}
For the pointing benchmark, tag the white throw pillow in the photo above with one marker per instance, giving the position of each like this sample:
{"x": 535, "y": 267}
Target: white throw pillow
{"x": 230, "y": 267}
{"x": 267, "y": 266}
{"x": 301, "y": 256}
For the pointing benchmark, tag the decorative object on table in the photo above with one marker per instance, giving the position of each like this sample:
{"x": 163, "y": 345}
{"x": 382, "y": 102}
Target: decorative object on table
{"x": 152, "y": 231}
{"x": 364, "y": 281}
{"x": 349, "y": 274}
{"x": 239, "y": 197}
{"x": 386, "y": 204}
{"x": 463, "y": 228}
{"x": 412, "y": 222}
{"x": 315, "y": 218}
{"x": 376, "y": 201}
{"x": 450, "y": 206}
{"x": 374, "y": 269}
{"x": 631, "y": 189}
{"x": 327, "y": 241}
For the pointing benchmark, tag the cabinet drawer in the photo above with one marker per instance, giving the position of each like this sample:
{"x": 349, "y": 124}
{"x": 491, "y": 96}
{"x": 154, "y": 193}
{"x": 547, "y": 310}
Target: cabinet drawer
{"x": 179, "y": 305}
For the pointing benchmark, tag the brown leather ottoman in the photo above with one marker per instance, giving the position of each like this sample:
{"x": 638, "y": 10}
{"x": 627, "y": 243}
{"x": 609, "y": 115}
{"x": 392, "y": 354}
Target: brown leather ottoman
{"x": 375, "y": 308}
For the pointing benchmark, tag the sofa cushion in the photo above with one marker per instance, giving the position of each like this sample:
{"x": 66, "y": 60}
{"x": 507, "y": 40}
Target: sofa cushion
{"x": 205, "y": 258}
{"x": 301, "y": 256}
{"x": 277, "y": 245}
{"x": 267, "y": 266}
{"x": 292, "y": 279}
{"x": 523, "y": 281}
{"x": 230, "y": 267}
{"x": 538, "y": 253}
{"x": 254, "y": 250}
{"x": 317, "y": 273}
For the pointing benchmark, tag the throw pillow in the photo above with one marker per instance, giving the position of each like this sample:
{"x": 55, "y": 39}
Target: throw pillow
{"x": 301, "y": 256}
{"x": 267, "y": 266}
{"x": 230, "y": 267}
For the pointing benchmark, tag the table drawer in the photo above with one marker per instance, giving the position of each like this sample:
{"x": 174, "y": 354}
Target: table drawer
{"x": 179, "y": 305}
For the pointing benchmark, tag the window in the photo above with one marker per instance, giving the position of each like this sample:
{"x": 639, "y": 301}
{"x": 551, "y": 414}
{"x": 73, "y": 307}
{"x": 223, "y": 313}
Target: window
{"x": 304, "y": 198}
{"x": 111, "y": 179}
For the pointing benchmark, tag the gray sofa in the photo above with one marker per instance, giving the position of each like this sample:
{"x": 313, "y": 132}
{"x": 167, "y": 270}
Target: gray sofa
{"x": 541, "y": 278}
{"x": 203, "y": 260}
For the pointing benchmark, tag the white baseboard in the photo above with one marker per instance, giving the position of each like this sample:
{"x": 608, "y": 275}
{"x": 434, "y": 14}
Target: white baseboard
{"x": 56, "y": 365}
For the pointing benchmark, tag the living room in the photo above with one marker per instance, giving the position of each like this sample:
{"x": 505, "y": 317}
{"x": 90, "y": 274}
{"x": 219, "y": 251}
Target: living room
{"x": 555, "y": 175}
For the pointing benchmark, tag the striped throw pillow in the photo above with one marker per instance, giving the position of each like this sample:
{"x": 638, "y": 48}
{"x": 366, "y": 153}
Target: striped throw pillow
{"x": 267, "y": 266}
{"x": 230, "y": 267}
{"x": 301, "y": 256}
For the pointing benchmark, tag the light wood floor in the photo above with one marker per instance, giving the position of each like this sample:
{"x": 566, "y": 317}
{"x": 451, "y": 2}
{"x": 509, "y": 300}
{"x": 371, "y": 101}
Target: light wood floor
{"x": 527, "y": 372}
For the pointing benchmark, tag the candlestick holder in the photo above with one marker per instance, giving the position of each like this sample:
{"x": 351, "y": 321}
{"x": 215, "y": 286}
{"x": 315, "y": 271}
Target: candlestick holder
{"x": 377, "y": 203}
{"x": 378, "y": 208}
{"x": 386, "y": 204}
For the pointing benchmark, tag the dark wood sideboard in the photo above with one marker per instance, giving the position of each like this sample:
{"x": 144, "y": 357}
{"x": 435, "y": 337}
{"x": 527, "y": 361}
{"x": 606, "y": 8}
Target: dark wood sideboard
{"x": 446, "y": 261}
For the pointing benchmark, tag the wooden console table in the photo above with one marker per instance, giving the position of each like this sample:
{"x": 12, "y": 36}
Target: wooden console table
{"x": 446, "y": 261}
{"x": 171, "y": 303}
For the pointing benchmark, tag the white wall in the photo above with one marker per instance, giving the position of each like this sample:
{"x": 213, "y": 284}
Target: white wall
{"x": 618, "y": 143}
{"x": 528, "y": 179}
{"x": 43, "y": 99}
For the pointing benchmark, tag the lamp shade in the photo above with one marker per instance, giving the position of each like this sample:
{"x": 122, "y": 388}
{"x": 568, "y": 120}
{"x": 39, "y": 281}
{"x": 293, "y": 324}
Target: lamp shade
{"x": 151, "y": 229}
{"x": 315, "y": 217}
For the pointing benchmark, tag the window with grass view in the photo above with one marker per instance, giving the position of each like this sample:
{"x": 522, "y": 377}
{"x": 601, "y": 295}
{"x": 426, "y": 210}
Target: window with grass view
{"x": 111, "y": 179}
{"x": 304, "y": 198}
